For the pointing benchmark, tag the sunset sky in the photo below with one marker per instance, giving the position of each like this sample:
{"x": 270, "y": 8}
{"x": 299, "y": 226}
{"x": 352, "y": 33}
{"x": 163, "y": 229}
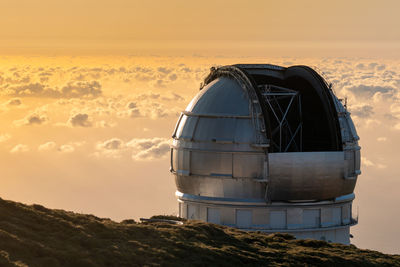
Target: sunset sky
{"x": 178, "y": 27}
{"x": 90, "y": 92}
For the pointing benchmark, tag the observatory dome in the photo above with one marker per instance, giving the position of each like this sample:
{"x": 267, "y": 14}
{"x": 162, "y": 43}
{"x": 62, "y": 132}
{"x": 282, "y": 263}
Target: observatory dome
{"x": 260, "y": 133}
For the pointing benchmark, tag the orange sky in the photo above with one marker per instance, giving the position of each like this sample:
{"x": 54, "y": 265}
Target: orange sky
{"x": 90, "y": 92}
{"x": 305, "y": 28}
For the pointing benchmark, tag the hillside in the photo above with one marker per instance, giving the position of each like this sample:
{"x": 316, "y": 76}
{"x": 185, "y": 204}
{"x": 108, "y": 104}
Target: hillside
{"x": 37, "y": 236}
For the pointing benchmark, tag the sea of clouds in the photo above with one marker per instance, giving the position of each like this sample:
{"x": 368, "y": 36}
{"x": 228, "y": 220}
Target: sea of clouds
{"x": 112, "y": 120}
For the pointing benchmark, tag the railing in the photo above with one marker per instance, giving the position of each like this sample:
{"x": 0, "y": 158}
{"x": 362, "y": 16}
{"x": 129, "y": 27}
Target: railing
{"x": 325, "y": 77}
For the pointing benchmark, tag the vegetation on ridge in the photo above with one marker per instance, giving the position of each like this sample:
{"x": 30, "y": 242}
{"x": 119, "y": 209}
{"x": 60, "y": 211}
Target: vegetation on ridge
{"x": 37, "y": 236}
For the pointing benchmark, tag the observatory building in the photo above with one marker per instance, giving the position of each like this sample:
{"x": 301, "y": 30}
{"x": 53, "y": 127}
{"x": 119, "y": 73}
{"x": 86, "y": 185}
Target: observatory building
{"x": 267, "y": 148}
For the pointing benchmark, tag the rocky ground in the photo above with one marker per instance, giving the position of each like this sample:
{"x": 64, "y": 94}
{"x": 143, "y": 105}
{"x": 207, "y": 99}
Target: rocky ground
{"x": 36, "y": 236}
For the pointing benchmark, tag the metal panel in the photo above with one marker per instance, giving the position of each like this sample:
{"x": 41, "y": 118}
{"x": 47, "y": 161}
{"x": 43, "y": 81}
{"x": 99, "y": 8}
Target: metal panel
{"x": 352, "y": 129}
{"x": 180, "y": 126}
{"x": 192, "y": 212}
{"x": 357, "y": 157}
{"x": 184, "y": 210}
{"x": 311, "y": 218}
{"x": 244, "y": 218}
{"x": 203, "y": 213}
{"x": 326, "y": 217}
{"x": 186, "y": 127}
{"x": 177, "y": 125}
{"x": 350, "y": 163}
{"x": 308, "y": 176}
{"x": 228, "y": 216}
{"x": 248, "y": 165}
{"x": 343, "y": 235}
{"x": 174, "y": 160}
{"x": 346, "y": 210}
{"x": 259, "y": 202}
{"x": 223, "y": 96}
{"x": 213, "y": 215}
{"x": 277, "y": 219}
{"x": 181, "y": 161}
{"x": 215, "y": 129}
{"x": 292, "y": 176}
{"x": 260, "y": 217}
{"x": 345, "y": 129}
{"x": 294, "y": 218}
{"x": 244, "y": 132}
{"x": 337, "y": 215}
{"x": 216, "y": 164}
{"x": 237, "y": 188}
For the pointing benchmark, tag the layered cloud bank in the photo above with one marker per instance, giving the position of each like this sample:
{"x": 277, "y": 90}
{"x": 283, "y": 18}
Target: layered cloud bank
{"x": 114, "y": 95}
{"x": 100, "y": 129}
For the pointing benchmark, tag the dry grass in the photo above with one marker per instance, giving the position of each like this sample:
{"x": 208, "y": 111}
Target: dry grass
{"x": 36, "y": 236}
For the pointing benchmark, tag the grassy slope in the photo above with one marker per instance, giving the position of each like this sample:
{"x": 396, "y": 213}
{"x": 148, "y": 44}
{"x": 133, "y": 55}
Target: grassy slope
{"x": 36, "y": 236}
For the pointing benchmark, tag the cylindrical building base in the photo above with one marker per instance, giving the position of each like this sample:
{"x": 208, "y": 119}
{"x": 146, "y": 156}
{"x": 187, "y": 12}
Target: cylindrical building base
{"x": 322, "y": 220}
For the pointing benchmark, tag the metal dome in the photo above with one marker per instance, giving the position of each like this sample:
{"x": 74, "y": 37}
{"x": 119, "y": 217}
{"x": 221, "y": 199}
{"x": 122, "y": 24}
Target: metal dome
{"x": 265, "y": 133}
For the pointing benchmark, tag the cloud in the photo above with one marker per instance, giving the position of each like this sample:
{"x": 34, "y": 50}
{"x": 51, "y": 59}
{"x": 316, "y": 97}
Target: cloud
{"x": 45, "y": 73}
{"x": 159, "y": 83}
{"x": 389, "y": 117}
{"x": 368, "y": 163}
{"x": 370, "y": 90}
{"x": 370, "y": 123}
{"x": 112, "y": 144}
{"x": 164, "y": 70}
{"x": 381, "y": 67}
{"x": 186, "y": 69}
{"x": 75, "y": 89}
{"x": 173, "y": 97}
{"x": 47, "y": 146}
{"x": 148, "y": 149}
{"x": 104, "y": 124}
{"x": 66, "y": 148}
{"x": 395, "y": 110}
{"x": 132, "y": 105}
{"x": 32, "y": 89}
{"x": 149, "y": 110}
{"x": 80, "y": 120}
{"x": 394, "y": 115}
{"x": 161, "y": 77}
{"x": 147, "y": 96}
{"x": 149, "y": 105}
{"x": 133, "y": 110}
{"x": 157, "y": 111}
{"x": 142, "y": 149}
{"x": 17, "y": 79}
{"x": 20, "y": 148}
{"x": 397, "y": 126}
{"x": 113, "y": 147}
{"x": 364, "y": 111}
{"x": 14, "y": 102}
{"x": 4, "y": 137}
{"x": 173, "y": 77}
{"x": 35, "y": 118}
{"x": 82, "y": 89}
{"x": 144, "y": 77}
